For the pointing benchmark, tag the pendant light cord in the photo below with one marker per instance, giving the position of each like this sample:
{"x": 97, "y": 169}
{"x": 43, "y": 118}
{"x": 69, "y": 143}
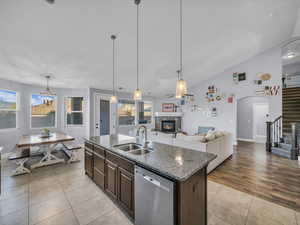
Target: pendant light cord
{"x": 113, "y": 37}
{"x": 114, "y": 67}
{"x": 181, "y": 32}
{"x": 137, "y": 44}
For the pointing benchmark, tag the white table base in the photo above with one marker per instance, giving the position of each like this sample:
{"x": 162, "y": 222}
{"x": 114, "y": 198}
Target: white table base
{"x": 49, "y": 158}
{"x": 21, "y": 169}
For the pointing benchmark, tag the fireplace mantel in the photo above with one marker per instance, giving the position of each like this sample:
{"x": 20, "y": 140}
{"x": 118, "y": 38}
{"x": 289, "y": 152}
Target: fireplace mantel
{"x": 168, "y": 114}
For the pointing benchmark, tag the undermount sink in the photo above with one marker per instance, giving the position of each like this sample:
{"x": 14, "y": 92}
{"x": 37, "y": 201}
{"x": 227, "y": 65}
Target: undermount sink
{"x": 128, "y": 147}
{"x": 133, "y": 148}
{"x": 141, "y": 151}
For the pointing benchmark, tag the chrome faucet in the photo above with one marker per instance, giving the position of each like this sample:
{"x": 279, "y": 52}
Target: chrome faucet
{"x": 145, "y": 134}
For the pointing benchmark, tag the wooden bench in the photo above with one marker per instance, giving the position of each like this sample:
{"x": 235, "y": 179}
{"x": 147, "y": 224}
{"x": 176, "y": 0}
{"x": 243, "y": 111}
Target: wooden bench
{"x": 71, "y": 150}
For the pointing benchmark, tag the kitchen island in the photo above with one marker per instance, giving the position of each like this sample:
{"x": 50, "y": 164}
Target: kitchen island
{"x": 113, "y": 169}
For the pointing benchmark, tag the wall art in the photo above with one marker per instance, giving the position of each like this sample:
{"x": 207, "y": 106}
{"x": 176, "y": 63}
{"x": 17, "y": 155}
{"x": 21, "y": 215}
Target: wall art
{"x": 230, "y": 98}
{"x": 268, "y": 91}
{"x": 168, "y": 107}
{"x": 265, "y": 76}
{"x": 258, "y": 82}
{"x": 242, "y": 76}
{"x": 214, "y": 112}
{"x": 238, "y": 77}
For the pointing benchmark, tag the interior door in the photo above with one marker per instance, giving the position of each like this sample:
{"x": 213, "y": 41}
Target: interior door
{"x": 260, "y": 112}
{"x": 104, "y": 117}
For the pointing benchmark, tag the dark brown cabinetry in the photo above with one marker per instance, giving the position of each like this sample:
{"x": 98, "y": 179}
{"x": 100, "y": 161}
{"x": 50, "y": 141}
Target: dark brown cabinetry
{"x": 99, "y": 167}
{"x": 111, "y": 178}
{"x": 88, "y": 160}
{"x": 112, "y": 173}
{"x": 126, "y": 190}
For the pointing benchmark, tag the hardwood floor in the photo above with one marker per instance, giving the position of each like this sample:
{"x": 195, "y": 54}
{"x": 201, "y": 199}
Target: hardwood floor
{"x": 254, "y": 171}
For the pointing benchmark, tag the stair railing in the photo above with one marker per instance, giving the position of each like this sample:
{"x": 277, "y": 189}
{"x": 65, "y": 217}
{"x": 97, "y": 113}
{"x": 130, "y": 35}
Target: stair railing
{"x": 274, "y": 133}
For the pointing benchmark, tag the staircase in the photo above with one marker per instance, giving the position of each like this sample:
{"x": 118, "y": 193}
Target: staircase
{"x": 283, "y": 134}
{"x": 290, "y": 108}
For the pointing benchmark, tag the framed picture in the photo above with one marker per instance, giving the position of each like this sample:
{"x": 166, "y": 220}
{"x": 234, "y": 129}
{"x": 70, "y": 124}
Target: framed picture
{"x": 242, "y": 76}
{"x": 168, "y": 107}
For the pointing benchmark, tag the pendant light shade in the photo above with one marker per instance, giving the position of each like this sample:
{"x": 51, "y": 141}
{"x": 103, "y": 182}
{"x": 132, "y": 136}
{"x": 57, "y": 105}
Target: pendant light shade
{"x": 137, "y": 96}
{"x": 113, "y": 98}
{"x": 181, "y": 87}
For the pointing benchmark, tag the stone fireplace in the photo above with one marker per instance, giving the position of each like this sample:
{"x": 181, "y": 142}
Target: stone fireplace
{"x": 168, "y": 124}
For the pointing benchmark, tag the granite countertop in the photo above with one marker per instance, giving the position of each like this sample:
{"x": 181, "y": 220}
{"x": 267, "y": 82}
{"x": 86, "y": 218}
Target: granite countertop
{"x": 171, "y": 161}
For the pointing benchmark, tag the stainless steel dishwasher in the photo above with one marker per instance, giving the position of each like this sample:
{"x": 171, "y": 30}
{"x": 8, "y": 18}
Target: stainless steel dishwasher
{"x": 154, "y": 199}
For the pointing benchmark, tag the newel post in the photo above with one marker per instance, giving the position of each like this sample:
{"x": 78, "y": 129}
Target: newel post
{"x": 269, "y": 139}
{"x": 294, "y": 151}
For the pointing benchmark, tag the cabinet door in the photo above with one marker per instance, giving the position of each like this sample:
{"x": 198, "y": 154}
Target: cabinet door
{"x": 111, "y": 178}
{"x": 126, "y": 190}
{"x": 99, "y": 162}
{"x": 99, "y": 168}
{"x": 99, "y": 178}
{"x": 88, "y": 163}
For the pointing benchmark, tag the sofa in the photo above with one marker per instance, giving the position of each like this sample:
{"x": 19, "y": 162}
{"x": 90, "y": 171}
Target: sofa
{"x": 221, "y": 145}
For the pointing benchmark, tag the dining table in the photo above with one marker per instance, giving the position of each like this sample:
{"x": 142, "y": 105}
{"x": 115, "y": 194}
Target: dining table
{"x": 46, "y": 144}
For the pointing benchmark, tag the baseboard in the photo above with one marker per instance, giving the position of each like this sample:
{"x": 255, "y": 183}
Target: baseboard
{"x": 244, "y": 139}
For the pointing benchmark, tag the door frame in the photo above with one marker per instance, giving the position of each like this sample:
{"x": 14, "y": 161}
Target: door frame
{"x": 258, "y": 138}
{"x": 112, "y": 110}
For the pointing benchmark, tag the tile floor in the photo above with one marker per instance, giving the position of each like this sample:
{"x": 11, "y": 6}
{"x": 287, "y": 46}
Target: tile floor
{"x": 63, "y": 195}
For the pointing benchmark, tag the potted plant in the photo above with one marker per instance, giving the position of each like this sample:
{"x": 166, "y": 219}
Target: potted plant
{"x": 45, "y": 132}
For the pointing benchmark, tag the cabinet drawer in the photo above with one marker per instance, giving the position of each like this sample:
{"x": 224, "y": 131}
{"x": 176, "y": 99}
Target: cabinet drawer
{"x": 99, "y": 178}
{"x": 99, "y": 162}
{"x": 88, "y": 163}
{"x": 99, "y": 150}
{"x": 122, "y": 162}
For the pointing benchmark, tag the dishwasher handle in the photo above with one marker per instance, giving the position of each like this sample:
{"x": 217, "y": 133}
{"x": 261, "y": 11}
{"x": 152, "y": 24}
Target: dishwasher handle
{"x": 153, "y": 181}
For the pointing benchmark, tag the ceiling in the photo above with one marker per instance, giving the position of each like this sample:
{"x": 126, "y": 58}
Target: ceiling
{"x": 71, "y": 39}
{"x": 291, "y": 48}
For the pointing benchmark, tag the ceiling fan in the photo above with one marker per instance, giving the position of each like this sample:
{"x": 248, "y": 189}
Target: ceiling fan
{"x": 47, "y": 91}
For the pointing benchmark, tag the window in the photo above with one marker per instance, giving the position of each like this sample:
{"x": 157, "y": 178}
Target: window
{"x": 43, "y": 111}
{"x": 74, "y": 110}
{"x": 126, "y": 112}
{"x": 8, "y": 109}
{"x": 144, "y": 112}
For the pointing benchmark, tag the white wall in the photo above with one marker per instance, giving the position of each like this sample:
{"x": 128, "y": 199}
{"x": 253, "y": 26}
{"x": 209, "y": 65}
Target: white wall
{"x": 245, "y": 123}
{"x": 268, "y": 62}
{"x": 8, "y": 138}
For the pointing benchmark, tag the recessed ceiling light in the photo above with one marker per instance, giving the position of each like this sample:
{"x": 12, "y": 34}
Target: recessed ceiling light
{"x": 50, "y": 1}
{"x": 290, "y": 55}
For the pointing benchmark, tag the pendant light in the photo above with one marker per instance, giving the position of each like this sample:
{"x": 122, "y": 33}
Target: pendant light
{"x": 181, "y": 89}
{"x": 47, "y": 91}
{"x": 113, "y": 98}
{"x": 137, "y": 93}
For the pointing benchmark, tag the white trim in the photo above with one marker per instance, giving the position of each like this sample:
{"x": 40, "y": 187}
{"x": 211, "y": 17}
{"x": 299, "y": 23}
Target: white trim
{"x": 112, "y": 127}
{"x": 245, "y": 139}
{"x": 175, "y": 114}
{"x": 66, "y": 116}
{"x": 17, "y": 110}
